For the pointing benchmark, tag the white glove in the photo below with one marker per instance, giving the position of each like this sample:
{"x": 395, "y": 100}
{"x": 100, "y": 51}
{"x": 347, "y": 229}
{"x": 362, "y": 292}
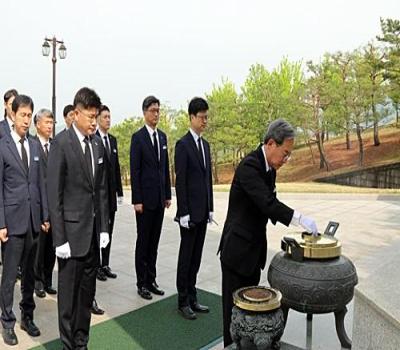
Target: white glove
{"x": 104, "y": 239}
{"x": 184, "y": 221}
{"x": 63, "y": 251}
{"x": 309, "y": 225}
{"x": 210, "y": 217}
{"x": 120, "y": 200}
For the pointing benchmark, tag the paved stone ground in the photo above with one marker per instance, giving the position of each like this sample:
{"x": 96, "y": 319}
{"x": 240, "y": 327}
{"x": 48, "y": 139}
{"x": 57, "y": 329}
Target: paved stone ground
{"x": 367, "y": 222}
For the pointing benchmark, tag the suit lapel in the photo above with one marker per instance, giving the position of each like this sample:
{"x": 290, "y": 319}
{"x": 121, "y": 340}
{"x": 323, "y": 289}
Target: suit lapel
{"x": 195, "y": 149}
{"x": 95, "y": 147}
{"x": 14, "y": 151}
{"x": 76, "y": 146}
{"x": 149, "y": 143}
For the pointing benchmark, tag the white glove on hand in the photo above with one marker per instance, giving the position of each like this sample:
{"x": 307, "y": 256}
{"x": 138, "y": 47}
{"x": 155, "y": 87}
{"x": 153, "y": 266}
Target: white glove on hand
{"x": 104, "y": 239}
{"x": 184, "y": 221}
{"x": 309, "y": 225}
{"x": 210, "y": 217}
{"x": 63, "y": 251}
{"x": 120, "y": 200}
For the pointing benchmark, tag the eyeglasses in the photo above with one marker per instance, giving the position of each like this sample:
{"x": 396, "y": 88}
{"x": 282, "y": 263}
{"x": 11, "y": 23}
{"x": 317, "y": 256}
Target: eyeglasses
{"x": 154, "y": 110}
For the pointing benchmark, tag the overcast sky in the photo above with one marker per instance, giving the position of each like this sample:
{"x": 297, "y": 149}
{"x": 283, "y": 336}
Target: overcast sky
{"x": 174, "y": 49}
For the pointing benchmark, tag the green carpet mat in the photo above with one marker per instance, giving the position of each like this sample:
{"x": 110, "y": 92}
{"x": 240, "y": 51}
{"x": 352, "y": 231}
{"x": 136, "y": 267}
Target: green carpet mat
{"x": 157, "y": 326}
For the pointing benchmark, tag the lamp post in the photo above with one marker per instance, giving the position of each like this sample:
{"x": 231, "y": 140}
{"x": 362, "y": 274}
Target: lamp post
{"x": 62, "y": 51}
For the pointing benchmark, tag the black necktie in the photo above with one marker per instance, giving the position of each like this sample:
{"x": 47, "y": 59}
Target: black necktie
{"x": 200, "y": 151}
{"x": 88, "y": 156}
{"x": 24, "y": 155}
{"x": 46, "y": 149}
{"x": 107, "y": 145}
{"x": 155, "y": 144}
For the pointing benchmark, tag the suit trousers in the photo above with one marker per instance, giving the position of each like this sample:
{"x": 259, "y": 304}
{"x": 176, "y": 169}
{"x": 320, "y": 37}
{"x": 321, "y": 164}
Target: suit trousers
{"x": 76, "y": 290}
{"x": 149, "y": 225}
{"x": 231, "y": 281}
{"x": 44, "y": 261}
{"x": 17, "y": 251}
{"x": 105, "y": 252}
{"x": 189, "y": 259}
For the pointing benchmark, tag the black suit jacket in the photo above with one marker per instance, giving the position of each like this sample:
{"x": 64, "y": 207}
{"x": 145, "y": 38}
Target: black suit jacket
{"x": 22, "y": 193}
{"x": 150, "y": 180}
{"x": 4, "y": 128}
{"x": 114, "y": 173}
{"x": 252, "y": 202}
{"x": 194, "y": 192}
{"x": 74, "y": 198}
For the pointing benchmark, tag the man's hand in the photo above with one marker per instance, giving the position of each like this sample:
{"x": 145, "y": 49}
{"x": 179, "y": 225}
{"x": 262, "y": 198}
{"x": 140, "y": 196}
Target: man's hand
{"x": 309, "y": 225}
{"x": 184, "y": 221}
{"x": 138, "y": 208}
{"x": 3, "y": 234}
{"x": 167, "y": 203}
{"x": 120, "y": 200}
{"x": 63, "y": 251}
{"x": 45, "y": 227}
{"x": 104, "y": 239}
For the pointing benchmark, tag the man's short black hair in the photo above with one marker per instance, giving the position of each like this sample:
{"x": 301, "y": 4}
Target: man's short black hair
{"x": 10, "y": 93}
{"x": 87, "y": 98}
{"x": 196, "y": 105}
{"x": 103, "y": 108}
{"x": 67, "y": 109}
{"x": 21, "y": 101}
{"x": 148, "y": 101}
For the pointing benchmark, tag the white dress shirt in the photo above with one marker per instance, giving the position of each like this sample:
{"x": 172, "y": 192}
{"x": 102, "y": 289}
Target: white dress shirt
{"x": 44, "y": 142}
{"x": 196, "y": 137}
{"x": 16, "y": 139}
{"x": 81, "y": 138}
{"x": 151, "y": 132}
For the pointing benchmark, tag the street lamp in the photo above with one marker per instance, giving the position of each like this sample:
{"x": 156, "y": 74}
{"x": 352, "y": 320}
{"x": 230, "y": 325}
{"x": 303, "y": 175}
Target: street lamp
{"x": 62, "y": 51}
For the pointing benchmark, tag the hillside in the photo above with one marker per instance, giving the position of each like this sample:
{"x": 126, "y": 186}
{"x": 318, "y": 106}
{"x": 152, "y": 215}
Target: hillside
{"x": 301, "y": 168}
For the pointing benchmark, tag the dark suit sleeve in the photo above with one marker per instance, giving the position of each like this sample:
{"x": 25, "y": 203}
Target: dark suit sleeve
{"x": 167, "y": 176}
{"x": 251, "y": 179}
{"x": 181, "y": 178}
{"x": 42, "y": 186}
{"x": 136, "y": 168}
{"x": 56, "y": 169}
{"x": 2, "y": 215}
{"x": 118, "y": 172}
{"x": 210, "y": 181}
{"x": 103, "y": 193}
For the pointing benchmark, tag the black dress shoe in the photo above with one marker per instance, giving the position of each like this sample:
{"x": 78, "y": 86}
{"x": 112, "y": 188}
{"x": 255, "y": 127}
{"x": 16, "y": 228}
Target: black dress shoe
{"x": 40, "y": 293}
{"x": 187, "y": 312}
{"x": 144, "y": 293}
{"x": 9, "y": 336}
{"x": 50, "y": 290}
{"x": 155, "y": 289}
{"x": 29, "y": 327}
{"x": 95, "y": 308}
{"x": 100, "y": 275}
{"x": 107, "y": 271}
{"x": 199, "y": 308}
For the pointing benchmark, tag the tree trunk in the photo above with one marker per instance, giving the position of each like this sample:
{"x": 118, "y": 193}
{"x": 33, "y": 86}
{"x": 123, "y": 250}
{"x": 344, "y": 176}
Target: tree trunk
{"x": 323, "y": 161}
{"x": 376, "y": 135}
{"x": 397, "y": 114}
{"x": 348, "y": 141}
{"x": 309, "y": 146}
{"x": 360, "y": 145}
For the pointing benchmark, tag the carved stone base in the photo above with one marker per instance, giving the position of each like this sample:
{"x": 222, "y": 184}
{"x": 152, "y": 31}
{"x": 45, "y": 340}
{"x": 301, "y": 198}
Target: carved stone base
{"x": 261, "y": 331}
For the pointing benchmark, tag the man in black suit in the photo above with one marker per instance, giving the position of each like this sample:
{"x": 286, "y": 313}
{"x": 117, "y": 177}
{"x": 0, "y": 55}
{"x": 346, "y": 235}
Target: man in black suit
{"x": 7, "y": 123}
{"x": 252, "y": 202}
{"x": 23, "y": 212}
{"x": 151, "y": 194}
{"x": 114, "y": 191}
{"x": 69, "y": 115}
{"x": 194, "y": 195}
{"x": 45, "y": 255}
{"x": 78, "y": 202}
{"x": 114, "y": 185}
